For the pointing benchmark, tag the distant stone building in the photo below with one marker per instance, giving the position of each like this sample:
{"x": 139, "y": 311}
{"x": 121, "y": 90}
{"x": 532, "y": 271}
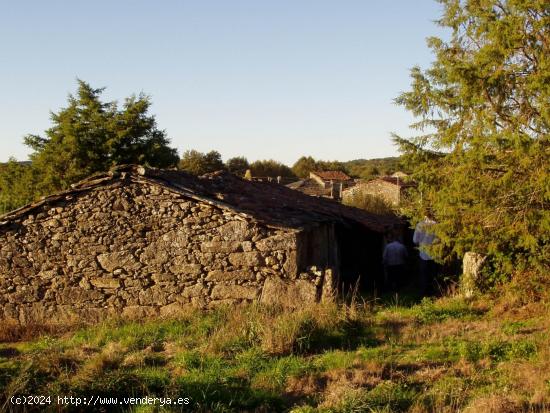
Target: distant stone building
{"x": 388, "y": 188}
{"x": 325, "y": 177}
{"x": 327, "y": 184}
{"x": 141, "y": 242}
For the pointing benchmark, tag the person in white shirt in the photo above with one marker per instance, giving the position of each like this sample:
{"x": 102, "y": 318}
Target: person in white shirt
{"x": 424, "y": 237}
{"x": 394, "y": 259}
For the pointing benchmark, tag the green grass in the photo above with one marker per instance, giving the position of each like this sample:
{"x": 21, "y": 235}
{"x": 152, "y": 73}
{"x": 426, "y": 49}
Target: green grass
{"x": 437, "y": 355}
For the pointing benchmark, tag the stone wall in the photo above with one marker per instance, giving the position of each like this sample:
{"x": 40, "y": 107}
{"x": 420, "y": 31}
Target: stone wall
{"x": 139, "y": 250}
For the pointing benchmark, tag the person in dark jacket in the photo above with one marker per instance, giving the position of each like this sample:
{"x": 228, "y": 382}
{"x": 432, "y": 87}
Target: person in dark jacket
{"x": 394, "y": 259}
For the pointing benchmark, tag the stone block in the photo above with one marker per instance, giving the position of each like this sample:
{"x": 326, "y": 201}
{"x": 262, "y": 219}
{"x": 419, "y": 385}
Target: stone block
{"x": 219, "y": 275}
{"x": 291, "y": 294}
{"x": 163, "y": 277}
{"x": 206, "y": 258}
{"x": 236, "y": 231}
{"x": 155, "y": 255}
{"x": 171, "y": 310}
{"x": 186, "y": 269}
{"x": 105, "y": 282}
{"x": 239, "y": 292}
{"x": 196, "y": 290}
{"x": 290, "y": 266}
{"x": 153, "y": 296}
{"x": 74, "y": 295}
{"x": 120, "y": 259}
{"x": 276, "y": 242}
{"x": 220, "y": 246}
{"x": 246, "y": 259}
{"x": 139, "y": 312}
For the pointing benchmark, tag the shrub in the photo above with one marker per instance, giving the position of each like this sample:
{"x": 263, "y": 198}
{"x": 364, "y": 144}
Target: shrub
{"x": 369, "y": 203}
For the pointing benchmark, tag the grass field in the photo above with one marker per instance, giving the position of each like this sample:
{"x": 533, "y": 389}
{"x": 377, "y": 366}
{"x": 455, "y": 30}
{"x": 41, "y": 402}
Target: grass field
{"x": 444, "y": 355}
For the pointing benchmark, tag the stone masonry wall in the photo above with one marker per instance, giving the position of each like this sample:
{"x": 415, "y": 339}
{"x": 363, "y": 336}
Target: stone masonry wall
{"x": 137, "y": 250}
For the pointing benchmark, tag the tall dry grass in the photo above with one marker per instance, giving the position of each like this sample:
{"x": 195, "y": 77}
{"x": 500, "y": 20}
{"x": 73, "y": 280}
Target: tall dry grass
{"x": 278, "y": 330}
{"x": 11, "y": 331}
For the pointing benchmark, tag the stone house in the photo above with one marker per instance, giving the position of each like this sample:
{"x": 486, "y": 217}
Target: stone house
{"x": 327, "y": 177}
{"x": 388, "y": 188}
{"x": 138, "y": 242}
{"x": 326, "y": 184}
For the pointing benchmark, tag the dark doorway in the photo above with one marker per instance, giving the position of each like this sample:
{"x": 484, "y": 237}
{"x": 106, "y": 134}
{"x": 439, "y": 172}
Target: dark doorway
{"x": 360, "y": 254}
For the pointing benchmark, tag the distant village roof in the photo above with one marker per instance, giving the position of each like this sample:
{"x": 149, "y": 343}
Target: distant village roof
{"x": 268, "y": 203}
{"x": 310, "y": 187}
{"x": 395, "y": 180}
{"x": 332, "y": 175}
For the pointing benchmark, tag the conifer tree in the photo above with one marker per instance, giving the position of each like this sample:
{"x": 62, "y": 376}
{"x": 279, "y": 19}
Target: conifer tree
{"x": 90, "y": 136}
{"x": 17, "y": 185}
{"x": 482, "y": 157}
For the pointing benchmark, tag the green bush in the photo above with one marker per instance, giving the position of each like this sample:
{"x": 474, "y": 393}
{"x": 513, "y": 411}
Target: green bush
{"x": 369, "y": 203}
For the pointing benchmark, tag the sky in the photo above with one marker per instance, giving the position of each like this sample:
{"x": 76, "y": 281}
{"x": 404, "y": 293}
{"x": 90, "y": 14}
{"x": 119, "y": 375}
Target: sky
{"x": 263, "y": 79}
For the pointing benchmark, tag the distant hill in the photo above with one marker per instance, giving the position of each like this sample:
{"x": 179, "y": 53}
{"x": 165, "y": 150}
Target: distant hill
{"x": 368, "y": 168}
{"x": 26, "y": 163}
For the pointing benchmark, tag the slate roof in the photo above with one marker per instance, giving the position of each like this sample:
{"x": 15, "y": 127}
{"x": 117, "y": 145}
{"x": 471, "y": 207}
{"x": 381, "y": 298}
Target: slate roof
{"x": 268, "y": 203}
{"x": 332, "y": 175}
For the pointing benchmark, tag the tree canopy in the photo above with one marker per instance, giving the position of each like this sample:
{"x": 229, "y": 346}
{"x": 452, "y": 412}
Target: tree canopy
{"x": 90, "y": 136}
{"x": 358, "y": 168}
{"x": 370, "y": 168}
{"x": 199, "y": 163}
{"x": 303, "y": 166}
{"x": 237, "y": 165}
{"x": 306, "y": 164}
{"x": 270, "y": 168}
{"x": 482, "y": 157}
{"x": 17, "y": 185}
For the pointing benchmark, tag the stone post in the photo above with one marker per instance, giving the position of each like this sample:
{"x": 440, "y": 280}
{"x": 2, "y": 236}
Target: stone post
{"x": 472, "y": 266}
{"x": 328, "y": 292}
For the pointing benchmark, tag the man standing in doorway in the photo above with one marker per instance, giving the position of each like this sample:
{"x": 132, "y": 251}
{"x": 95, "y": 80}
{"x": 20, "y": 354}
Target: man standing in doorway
{"x": 394, "y": 259}
{"x": 424, "y": 237}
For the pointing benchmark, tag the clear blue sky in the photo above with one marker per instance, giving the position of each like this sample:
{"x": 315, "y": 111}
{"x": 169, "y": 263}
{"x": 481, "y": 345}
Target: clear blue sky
{"x": 263, "y": 79}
